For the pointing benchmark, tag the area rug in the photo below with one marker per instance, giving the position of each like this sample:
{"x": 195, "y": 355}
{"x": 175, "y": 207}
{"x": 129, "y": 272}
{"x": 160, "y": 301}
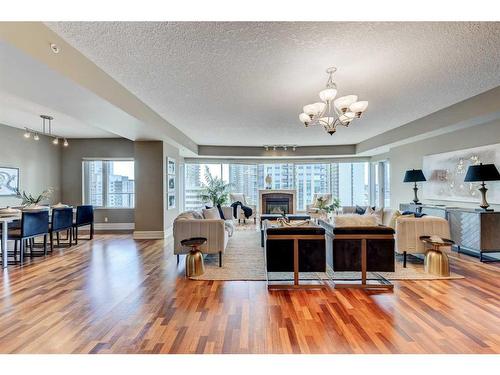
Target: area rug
{"x": 244, "y": 260}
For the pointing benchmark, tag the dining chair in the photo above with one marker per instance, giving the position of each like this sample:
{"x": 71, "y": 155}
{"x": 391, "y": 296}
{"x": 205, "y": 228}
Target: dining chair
{"x": 84, "y": 217}
{"x": 33, "y": 224}
{"x": 62, "y": 220}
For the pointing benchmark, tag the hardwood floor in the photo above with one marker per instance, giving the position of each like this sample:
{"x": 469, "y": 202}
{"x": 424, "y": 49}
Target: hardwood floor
{"x": 117, "y": 295}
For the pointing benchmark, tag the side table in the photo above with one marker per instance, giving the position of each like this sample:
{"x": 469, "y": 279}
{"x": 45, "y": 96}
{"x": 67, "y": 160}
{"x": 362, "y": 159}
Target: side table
{"x": 436, "y": 261}
{"x": 194, "y": 259}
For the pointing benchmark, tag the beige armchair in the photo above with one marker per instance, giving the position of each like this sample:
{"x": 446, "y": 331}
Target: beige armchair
{"x": 240, "y": 197}
{"x": 192, "y": 224}
{"x": 313, "y": 209}
{"x": 410, "y": 229}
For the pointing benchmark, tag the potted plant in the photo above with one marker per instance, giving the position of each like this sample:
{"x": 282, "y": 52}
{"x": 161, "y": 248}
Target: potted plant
{"x": 333, "y": 207}
{"x": 33, "y": 201}
{"x": 215, "y": 190}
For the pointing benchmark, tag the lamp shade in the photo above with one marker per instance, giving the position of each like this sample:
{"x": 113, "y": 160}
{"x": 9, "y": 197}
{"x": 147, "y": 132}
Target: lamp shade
{"x": 482, "y": 172}
{"x": 414, "y": 175}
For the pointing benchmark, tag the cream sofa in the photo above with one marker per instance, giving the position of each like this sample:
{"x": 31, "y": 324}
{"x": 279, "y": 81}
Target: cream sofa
{"x": 409, "y": 230}
{"x": 192, "y": 224}
{"x": 240, "y": 215}
{"x": 387, "y": 213}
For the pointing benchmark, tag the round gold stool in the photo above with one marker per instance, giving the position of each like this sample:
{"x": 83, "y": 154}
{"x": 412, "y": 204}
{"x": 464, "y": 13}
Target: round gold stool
{"x": 436, "y": 261}
{"x": 194, "y": 259}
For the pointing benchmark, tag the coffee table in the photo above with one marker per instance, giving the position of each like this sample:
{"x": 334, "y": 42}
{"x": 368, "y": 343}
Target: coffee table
{"x": 436, "y": 261}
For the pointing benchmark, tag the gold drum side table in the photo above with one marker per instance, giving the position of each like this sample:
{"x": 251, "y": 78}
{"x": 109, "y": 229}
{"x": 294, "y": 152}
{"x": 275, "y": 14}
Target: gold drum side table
{"x": 194, "y": 259}
{"x": 436, "y": 261}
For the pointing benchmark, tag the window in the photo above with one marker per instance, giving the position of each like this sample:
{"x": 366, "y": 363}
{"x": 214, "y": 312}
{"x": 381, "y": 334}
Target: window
{"x": 347, "y": 181}
{"x": 109, "y": 183}
{"x": 311, "y": 179}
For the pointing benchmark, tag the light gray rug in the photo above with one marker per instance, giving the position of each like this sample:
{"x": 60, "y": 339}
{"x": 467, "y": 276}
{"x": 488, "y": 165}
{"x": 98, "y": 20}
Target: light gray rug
{"x": 244, "y": 260}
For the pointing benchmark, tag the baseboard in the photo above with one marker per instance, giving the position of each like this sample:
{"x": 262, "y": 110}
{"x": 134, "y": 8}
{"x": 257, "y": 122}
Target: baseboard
{"x": 149, "y": 235}
{"x": 114, "y": 226}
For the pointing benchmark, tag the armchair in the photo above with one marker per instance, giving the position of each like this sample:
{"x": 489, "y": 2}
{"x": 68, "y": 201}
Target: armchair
{"x": 312, "y": 209}
{"x": 410, "y": 229}
{"x": 240, "y": 197}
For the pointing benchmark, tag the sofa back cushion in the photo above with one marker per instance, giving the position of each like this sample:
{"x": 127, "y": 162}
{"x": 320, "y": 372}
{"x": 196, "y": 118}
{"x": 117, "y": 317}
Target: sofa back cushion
{"x": 211, "y": 213}
{"x": 189, "y": 215}
{"x": 354, "y": 220}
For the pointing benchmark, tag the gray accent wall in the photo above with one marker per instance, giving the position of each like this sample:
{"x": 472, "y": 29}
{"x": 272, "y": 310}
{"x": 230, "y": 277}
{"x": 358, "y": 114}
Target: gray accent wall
{"x": 39, "y": 163}
{"x": 411, "y": 156}
{"x": 149, "y": 186}
{"x": 71, "y": 184}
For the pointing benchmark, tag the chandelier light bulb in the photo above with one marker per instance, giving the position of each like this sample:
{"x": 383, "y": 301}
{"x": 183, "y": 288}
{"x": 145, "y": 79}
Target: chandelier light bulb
{"x": 65, "y": 143}
{"x": 55, "y": 141}
{"x": 304, "y": 118}
{"x": 294, "y": 148}
{"x": 27, "y": 134}
{"x": 309, "y": 110}
{"x": 358, "y": 107}
{"x": 328, "y": 95}
{"x": 344, "y": 102}
{"x": 36, "y": 137}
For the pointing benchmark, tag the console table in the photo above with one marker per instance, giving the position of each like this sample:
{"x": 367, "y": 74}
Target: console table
{"x": 474, "y": 232}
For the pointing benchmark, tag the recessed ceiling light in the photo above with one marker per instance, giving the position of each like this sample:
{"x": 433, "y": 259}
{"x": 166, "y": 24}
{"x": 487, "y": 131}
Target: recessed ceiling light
{"x": 54, "y": 48}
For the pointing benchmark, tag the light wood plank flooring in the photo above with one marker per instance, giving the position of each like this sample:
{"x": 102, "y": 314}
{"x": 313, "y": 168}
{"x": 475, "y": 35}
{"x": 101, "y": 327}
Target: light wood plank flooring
{"x": 117, "y": 295}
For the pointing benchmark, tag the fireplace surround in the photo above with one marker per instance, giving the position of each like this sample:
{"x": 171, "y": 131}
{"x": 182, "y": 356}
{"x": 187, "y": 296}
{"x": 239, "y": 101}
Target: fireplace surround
{"x": 277, "y": 201}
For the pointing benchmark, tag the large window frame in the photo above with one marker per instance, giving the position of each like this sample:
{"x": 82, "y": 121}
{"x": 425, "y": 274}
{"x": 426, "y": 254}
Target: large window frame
{"x": 105, "y": 183}
{"x": 351, "y": 174}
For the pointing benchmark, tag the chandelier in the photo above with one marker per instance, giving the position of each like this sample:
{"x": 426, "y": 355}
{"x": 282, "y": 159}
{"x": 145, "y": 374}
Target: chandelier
{"x": 331, "y": 112}
{"x": 46, "y": 130}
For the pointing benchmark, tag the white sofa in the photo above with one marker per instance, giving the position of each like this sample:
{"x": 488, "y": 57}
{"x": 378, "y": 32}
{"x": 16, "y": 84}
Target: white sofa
{"x": 240, "y": 215}
{"x": 192, "y": 224}
{"x": 409, "y": 230}
{"x": 387, "y": 213}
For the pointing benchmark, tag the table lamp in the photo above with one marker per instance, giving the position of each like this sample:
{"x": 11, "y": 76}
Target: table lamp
{"x": 415, "y": 175}
{"x": 482, "y": 172}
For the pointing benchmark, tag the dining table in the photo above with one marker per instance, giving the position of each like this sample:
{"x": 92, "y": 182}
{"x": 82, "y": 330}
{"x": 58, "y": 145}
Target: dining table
{"x": 5, "y": 221}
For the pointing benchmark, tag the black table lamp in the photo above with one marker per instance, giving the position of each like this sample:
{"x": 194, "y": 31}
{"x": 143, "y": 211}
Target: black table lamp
{"x": 482, "y": 172}
{"x": 415, "y": 175}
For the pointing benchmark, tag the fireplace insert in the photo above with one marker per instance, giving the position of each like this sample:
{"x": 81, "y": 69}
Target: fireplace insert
{"x": 277, "y": 206}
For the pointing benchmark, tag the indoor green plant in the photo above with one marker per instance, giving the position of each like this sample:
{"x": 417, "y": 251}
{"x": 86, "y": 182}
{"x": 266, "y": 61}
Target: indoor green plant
{"x": 215, "y": 190}
{"x": 33, "y": 200}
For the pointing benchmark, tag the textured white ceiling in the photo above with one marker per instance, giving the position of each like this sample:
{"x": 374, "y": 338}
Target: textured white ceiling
{"x": 230, "y": 83}
{"x": 28, "y": 89}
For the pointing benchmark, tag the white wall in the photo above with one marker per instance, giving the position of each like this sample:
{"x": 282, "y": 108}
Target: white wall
{"x": 411, "y": 156}
{"x": 39, "y": 163}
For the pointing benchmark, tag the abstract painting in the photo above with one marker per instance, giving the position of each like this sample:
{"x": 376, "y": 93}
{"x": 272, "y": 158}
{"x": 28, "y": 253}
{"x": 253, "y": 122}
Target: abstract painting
{"x": 445, "y": 174}
{"x": 9, "y": 181}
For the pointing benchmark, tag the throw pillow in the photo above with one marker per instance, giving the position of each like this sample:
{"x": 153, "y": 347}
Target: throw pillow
{"x": 360, "y": 210}
{"x": 394, "y": 217}
{"x": 211, "y": 213}
{"x": 369, "y": 211}
{"x": 379, "y": 214}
